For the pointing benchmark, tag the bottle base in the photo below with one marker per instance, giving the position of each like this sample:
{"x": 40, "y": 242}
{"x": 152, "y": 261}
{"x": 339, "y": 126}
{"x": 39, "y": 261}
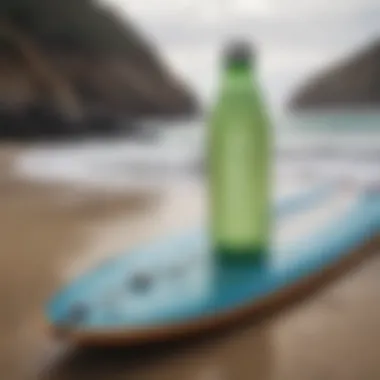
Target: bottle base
{"x": 256, "y": 256}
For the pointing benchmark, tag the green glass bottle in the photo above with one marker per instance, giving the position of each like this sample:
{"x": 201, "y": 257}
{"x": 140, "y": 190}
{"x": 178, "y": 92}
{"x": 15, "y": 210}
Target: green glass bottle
{"x": 239, "y": 163}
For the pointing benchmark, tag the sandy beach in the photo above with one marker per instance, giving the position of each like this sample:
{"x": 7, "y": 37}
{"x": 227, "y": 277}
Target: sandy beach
{"x": 51, "y": 233}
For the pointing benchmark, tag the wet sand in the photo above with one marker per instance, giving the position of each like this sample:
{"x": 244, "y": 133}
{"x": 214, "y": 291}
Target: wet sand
{"x": 51, "y": 233}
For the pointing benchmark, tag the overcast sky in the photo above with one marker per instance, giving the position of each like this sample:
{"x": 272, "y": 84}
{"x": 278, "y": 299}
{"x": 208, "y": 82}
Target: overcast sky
{"x": 293, "y": 37}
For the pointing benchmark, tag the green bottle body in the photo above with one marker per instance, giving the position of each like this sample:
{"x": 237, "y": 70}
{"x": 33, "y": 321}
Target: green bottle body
{"x": 240, "y": 169}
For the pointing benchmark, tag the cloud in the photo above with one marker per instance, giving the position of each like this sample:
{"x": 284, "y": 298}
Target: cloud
{"x": 206, "y": 10}
{"x": 321, "y": 7}
{"x": 279, "y": 70}
{"x": 320, "y": 24}
{"x": 295, "y": 37}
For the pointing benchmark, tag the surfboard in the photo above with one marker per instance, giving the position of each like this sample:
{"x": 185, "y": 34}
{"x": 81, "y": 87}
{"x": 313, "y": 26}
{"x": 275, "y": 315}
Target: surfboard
{"x": 174, "y": 287}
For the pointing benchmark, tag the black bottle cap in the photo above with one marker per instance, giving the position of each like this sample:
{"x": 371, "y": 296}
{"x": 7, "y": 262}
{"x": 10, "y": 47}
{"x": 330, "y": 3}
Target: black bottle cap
{"x": 238, "y": 52}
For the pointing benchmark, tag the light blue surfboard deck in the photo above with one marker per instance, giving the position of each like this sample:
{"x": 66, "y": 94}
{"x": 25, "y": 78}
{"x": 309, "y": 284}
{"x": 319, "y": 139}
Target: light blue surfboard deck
{"x": 174, "y": 285}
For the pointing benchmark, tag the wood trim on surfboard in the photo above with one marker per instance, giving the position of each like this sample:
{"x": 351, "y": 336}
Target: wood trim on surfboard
{"x": 258, "y": 309}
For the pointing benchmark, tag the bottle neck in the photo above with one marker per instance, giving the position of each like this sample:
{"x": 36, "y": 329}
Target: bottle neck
{"x": 237, "y": 74}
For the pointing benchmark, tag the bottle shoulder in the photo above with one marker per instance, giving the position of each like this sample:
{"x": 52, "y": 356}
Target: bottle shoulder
{"x": 246, "y": 111}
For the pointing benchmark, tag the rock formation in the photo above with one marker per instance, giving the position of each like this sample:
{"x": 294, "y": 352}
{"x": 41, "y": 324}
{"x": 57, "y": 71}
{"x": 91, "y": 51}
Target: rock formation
{"x": 354, "y": 82}
{"x": 72, "y": 67}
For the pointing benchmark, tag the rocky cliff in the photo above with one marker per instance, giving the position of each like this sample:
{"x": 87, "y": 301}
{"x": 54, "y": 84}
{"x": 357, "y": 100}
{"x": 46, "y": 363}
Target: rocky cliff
{"x": 354, "y": 82}
{"x": 71, "y": 66}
